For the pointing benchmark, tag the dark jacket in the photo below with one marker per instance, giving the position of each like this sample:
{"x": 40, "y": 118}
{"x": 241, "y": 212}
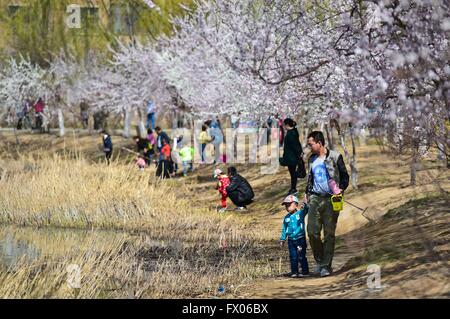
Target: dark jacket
{"x": 142, "y": 144}
{"x": 240, "y": 189}
{"x": 107, "y": 144}
{"x": 335, "y": 167}
{"x": 292, "y": 148}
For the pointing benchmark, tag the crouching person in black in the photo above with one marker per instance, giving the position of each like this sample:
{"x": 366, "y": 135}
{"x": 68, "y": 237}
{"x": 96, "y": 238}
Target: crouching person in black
{"x": 239, "y": 191}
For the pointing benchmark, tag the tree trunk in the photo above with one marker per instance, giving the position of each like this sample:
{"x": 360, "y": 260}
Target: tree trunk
{"x": 141, "y": 125}
{"x": 362, "y": 136}
{"x": 15, "y": 128}
{"x": 16, "y": 136}
{"x": 413, "y": 167}
{"x": 127, "y": 124}
{"x": 329, "y": 137}
{"x": 174, "y": 119}
{"x": 353, "y": 160}
{"x": 306, "y": 130}
{"x": 61, "y": 122}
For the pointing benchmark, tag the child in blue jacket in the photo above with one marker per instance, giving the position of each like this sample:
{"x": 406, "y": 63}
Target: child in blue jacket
{"x": 294, "y": 230}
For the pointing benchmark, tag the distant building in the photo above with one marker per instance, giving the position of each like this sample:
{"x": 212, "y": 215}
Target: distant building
{"x": 99, "y": 19}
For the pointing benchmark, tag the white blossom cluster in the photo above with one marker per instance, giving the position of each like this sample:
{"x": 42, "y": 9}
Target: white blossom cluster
{"x": 19, "y": 80}
{"x": 367, "y": 63}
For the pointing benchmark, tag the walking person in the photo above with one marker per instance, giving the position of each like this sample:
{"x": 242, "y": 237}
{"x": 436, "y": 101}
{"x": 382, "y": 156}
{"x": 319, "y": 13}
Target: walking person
{"x": 279, "y": 122}
{"x": 151, "y": 108}
{"x": 292, "y": 152}
{"x": 39, "y": 107}
{"x": 165, "y": 168}
{"x": 24, "y": 115}
{"x": 294, "y": 230}
{"x": 84, "y": 107}
{"x": 217, "y": 139}
{"x": 204, "y": 139}
{"x": 235, "y": 118}
{"x": 324, "y": 165}
{"x": 239, "y": 191}
{"x": 107, "y": 145}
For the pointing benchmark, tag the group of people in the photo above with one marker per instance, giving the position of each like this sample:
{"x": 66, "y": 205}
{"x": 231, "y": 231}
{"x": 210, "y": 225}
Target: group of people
{"x": 24, "y": 115}
{"x": 326, "y": 177}
{"x": 37, "y": 109}
{"x": 157, "y": 149}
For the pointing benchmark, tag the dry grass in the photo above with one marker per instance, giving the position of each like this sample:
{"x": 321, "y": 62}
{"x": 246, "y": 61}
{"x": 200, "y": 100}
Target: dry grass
{"x": 199, "y": 251}
{"x": 68, "y": 193}
{"x": 120, "y": 265}
{"x": 189, "y": 260}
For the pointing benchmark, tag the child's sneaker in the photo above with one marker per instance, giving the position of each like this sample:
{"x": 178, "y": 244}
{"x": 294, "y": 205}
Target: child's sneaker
{"x": 294, "y": 275}
{"x": 223, "y": 210}
{"x": 303, "y": 275}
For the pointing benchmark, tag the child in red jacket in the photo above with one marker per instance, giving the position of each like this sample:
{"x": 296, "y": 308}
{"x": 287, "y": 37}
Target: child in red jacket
{"x": 222, "y": 183}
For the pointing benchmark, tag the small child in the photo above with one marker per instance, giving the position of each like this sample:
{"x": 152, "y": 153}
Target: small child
{"x": 165, "y": 167}
{"x": 140, "y": 162}
{"x": 223, "y": 182}
{"x": 294, "y": 230}
{"x": 187, "y": 155}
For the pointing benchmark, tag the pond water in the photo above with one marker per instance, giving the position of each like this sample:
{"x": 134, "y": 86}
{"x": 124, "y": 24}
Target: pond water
{"x": 31, "y": 244}
{"x": 13, "y": 249}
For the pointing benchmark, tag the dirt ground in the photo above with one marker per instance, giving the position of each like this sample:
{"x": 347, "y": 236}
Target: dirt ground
{"x": 405, "y": 233}
{"x": 408, "y": 237}
{"x": 409, "y": 244}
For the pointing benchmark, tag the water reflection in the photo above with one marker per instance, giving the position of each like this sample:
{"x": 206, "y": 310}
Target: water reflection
{"x": 31, "y": 244}
{"x": 12, "y": 250}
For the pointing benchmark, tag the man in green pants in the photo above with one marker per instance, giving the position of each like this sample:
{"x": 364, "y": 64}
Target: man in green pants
{"x": 323, "y": 165}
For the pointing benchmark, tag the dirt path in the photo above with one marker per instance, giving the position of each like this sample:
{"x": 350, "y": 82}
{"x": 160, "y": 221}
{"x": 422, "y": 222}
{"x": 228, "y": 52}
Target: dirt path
{"x": 409, "y": 267}
{"x": 410, "y": 243}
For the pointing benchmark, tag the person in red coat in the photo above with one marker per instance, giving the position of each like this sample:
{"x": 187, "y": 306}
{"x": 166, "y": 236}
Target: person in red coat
{"x": 222, "y": 183}
{"x": 38, "y": 110}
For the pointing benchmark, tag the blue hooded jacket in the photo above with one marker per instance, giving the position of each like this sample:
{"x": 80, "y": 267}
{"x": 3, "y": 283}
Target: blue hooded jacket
{"x": 294, "y": 225}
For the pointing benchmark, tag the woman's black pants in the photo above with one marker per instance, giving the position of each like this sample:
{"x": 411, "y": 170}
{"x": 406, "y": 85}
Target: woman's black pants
{"x": 292, "y": 171}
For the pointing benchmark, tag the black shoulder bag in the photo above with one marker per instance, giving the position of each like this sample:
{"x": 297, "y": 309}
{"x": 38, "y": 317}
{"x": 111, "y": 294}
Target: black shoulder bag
{"x": 301, "y": 170}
